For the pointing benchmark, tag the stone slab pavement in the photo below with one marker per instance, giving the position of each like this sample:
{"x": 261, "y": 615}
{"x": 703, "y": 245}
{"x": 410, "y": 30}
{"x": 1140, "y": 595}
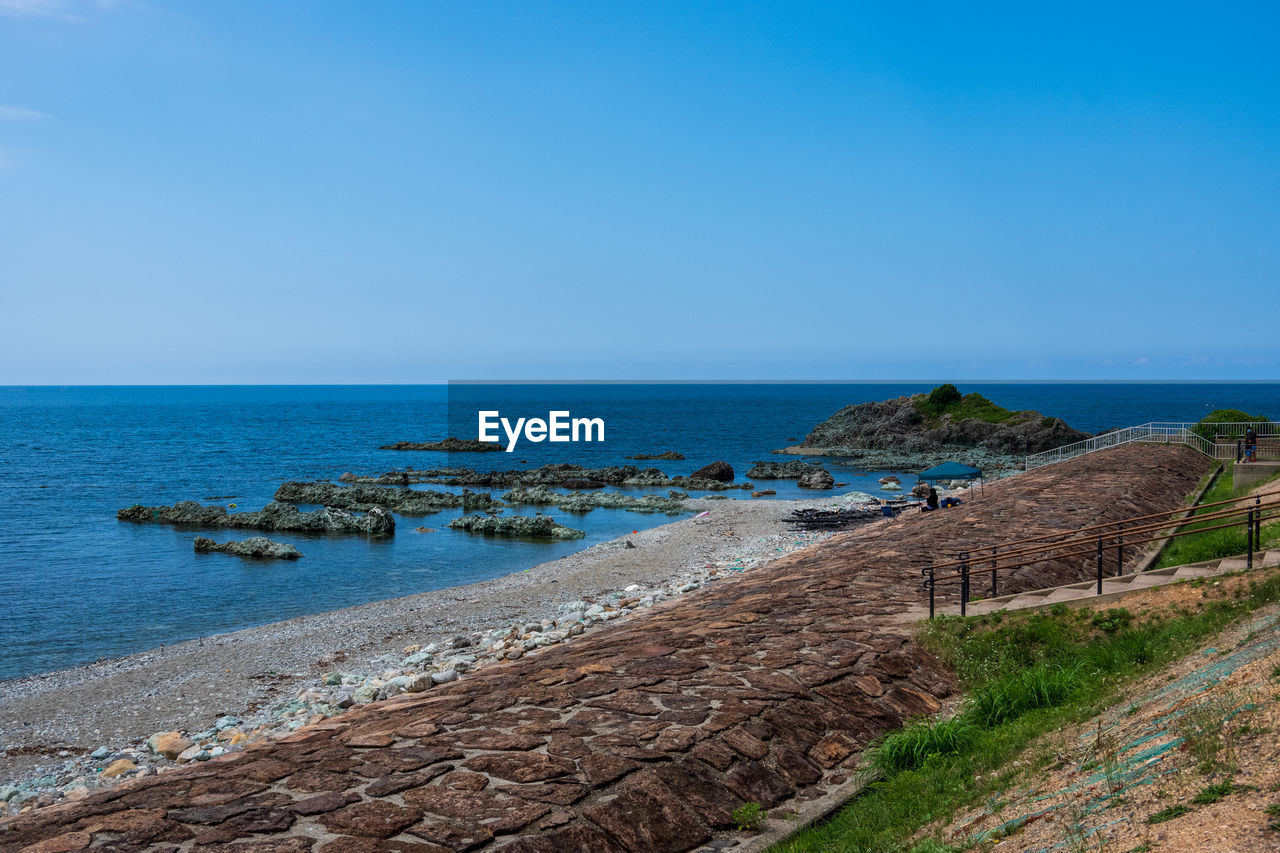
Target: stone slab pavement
{"x": 640, "y": 738}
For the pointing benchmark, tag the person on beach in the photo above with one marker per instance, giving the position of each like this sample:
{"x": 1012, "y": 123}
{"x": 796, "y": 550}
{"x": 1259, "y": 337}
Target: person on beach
{"x": 931, "y": 502}
{"x": 1250, "y": 444}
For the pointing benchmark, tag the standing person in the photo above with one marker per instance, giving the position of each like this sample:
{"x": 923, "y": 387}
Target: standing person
{"x": 1250, "y": 444}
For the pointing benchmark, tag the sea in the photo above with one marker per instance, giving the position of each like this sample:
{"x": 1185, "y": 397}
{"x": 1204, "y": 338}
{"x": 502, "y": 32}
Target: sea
{"x": 76, "y": 585}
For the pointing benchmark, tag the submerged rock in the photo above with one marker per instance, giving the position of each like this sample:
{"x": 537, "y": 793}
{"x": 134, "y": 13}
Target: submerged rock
{"x": 447, "y": 445}
{"x": 364, "y": 496}
{"x": 526, "y": 526}
{"x": 256, "y": 547}
{"x": 274, "y": 516}
{"x": 669, "y": 455}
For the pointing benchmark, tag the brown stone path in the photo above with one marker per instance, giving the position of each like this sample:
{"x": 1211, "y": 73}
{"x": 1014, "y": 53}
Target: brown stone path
{"x": 643, "y": 737}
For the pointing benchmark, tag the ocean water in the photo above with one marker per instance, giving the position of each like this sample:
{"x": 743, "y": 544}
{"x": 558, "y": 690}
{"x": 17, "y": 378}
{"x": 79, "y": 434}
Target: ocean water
{"x": 76, "y": 585}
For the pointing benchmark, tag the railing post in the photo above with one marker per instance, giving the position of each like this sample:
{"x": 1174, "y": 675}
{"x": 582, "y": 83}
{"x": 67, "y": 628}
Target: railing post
{"x": 964, "y": 581}
{"x": 1257, "y": 522}
{"x": 994, "y": 566}
{"x": 1249, "y": 540}
{"x": 1099, "y": 565}
{"x": 928, "y": 573}
{"x": 1119, "y": 550}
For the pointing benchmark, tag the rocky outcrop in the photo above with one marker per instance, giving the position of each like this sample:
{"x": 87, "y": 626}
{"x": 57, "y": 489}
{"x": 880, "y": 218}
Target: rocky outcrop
{"x": 899, "y": 433}
{"x": 364, "y": 497}
{"x": 790, "y": 470}
{"x": 561, "y": 474}
{"x": 672, "y": 504}
{"x": 721, "y": 471}
{"x": 448, "y": 445}
{"x": 522, "y": 526}
{"x": 819, "y": 479}
{"x": 256, "y": 547}
{"x": 669, "y": 455}
{"x": 274, "y": 516}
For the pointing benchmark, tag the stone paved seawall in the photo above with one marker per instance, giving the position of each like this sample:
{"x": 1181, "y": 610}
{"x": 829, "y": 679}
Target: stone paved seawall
{"x": 643, "y": 737}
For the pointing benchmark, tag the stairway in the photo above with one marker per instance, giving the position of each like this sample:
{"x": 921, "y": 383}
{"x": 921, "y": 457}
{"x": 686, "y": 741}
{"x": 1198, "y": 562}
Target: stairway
{"x": 1112, "y": 588}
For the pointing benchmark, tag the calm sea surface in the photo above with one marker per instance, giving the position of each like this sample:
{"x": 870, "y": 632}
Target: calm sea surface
{"x": 76, "y": 585}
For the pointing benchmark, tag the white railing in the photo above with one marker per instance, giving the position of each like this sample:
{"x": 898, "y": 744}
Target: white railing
{"x": 1158, "y": 432}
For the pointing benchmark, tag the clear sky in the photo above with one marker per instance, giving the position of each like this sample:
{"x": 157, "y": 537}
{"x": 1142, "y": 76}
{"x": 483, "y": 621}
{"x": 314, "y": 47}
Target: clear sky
{"x": 266, "y": 192}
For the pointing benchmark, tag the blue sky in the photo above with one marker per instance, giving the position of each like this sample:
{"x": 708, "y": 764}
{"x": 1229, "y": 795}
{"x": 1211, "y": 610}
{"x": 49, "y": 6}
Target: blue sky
{"x": 411, "y": 192}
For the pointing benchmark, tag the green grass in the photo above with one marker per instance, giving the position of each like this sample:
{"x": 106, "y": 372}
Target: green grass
{"x": 946, "y": 400}
{"x": 1214, "y": 544}
{"x": 1025, "y": 674}
{"x": 1168, "y": 814}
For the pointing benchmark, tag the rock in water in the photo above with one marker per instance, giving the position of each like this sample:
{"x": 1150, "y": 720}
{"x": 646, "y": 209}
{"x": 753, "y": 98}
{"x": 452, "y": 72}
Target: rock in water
{"x": 721, "y": 471}
{"x": 448, "y": 445}
{"x": 790, "y": 470}
{"x": 528, "y": 526}
{"x": 816, "y": 480}
{"x": 670, "y": 454}
{"x": 364, "y": 496}
{"x": 274, "y": 516}
{"x": 256, "y": 547}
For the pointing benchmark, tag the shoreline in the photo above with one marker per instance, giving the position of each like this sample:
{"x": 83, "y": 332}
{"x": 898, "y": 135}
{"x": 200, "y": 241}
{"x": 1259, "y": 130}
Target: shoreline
{"x": 276, "y": 677}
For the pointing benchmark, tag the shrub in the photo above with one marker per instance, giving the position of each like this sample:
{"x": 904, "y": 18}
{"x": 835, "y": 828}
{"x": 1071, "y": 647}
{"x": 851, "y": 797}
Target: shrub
{"x": 1205, "y": 429}
{"x": 943, "y": 396}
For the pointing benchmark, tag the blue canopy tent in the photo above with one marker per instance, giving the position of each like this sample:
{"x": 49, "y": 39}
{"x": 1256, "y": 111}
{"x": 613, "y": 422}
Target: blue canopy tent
{"x": 951, "y": 471}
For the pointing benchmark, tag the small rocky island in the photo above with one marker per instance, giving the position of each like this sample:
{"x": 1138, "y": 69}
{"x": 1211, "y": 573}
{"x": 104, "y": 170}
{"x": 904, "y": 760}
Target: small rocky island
{"x": 520, "y": 526}
{"x": 922, "y": 430}
{"x": 448, "y": 445}
{"x": 255, "y": 548}
{"x": 274, "y": 516}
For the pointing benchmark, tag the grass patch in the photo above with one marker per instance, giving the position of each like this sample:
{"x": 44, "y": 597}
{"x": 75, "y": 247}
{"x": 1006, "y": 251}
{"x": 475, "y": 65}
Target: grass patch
{"x": 1025, "y": 674}
{"x": 1168, "y": 814}
{"x": 1215, "y": 544}
{"x": 1210, "y": 795}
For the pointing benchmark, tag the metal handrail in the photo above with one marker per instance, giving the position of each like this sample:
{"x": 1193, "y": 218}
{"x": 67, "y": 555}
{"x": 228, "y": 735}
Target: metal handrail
{"x": 1163, "y": 432}
{"x": 1118, "y": 524}
{"x": 1254, "y": 514}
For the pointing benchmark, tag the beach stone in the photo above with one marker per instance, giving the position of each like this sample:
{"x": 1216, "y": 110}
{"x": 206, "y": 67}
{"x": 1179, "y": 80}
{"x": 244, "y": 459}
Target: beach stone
{"x": 444, "y": 676}
{"x": 418, "y": 659}
{"x": 168, "y": 744}
{"x": 189, "y": 754}
{"x": 365, "y": 694}
{"x": 411, "y": 683}
{"x": 118, "y": 768}
{"x": 100, "y": 753}
{"x": 226, "y": 722}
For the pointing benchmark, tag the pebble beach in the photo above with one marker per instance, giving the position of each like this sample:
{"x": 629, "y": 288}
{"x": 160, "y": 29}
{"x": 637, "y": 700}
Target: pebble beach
{"x": 71, "y": 732}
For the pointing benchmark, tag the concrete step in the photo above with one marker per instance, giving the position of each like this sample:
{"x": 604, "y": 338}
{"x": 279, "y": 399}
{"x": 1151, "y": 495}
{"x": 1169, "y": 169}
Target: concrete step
{"x": 1069, "y": 594}
{"x": 1197, "y": 572}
